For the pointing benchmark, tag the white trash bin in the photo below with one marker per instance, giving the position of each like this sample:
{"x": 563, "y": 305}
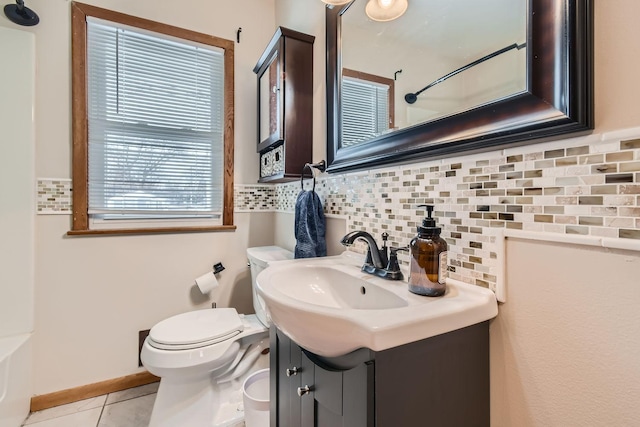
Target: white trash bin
{"x": 255, "y": 391}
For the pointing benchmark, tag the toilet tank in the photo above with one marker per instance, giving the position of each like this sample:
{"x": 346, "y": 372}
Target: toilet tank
{"x": 259, "y": 259}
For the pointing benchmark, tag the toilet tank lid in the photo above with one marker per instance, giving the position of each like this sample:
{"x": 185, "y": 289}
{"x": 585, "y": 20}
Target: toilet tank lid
{"x": 262, "y": 255}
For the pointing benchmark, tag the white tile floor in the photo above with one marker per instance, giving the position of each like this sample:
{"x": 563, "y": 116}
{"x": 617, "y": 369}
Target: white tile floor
{"x": 127, "y": 408}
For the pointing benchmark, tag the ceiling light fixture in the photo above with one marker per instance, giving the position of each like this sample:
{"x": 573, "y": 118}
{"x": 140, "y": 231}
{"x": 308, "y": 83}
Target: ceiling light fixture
{"x": 336, "y": 2}
{"x": 385, "y": 10}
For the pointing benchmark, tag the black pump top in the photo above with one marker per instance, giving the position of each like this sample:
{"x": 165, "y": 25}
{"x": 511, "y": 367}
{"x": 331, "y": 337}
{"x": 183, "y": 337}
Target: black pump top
{"x": 428, "y": 224}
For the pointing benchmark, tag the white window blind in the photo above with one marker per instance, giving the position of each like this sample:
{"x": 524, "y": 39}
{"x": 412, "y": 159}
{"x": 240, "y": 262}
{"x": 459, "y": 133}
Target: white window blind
{"x": 155, "y": 118}
{"x": 365, "y": 110}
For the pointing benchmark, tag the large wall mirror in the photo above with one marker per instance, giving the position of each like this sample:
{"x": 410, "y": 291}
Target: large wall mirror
{"x": 451, "y": 77}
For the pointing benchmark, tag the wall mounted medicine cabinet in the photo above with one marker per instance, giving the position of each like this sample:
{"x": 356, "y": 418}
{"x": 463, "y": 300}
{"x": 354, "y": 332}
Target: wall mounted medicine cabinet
{"x": 285, "y": 105}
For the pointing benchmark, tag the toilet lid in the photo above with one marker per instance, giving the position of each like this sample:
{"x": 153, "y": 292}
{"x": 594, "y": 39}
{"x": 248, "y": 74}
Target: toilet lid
{"x": 196, "y": 329}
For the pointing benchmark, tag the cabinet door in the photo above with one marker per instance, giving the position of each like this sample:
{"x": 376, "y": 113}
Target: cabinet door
{"x": 286, "y": 376}
{"x": 306, "y": 393}
{"x": 338, "y": 398}
{"x": 358, "y": 398}
{"x": 270, "y": 115}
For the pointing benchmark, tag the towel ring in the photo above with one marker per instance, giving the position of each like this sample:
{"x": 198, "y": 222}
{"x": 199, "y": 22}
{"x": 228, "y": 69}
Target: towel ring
{"x": 321, "y": 166}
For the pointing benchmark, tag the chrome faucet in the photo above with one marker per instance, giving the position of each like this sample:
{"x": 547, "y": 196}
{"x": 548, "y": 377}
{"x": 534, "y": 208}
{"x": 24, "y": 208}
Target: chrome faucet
{"x": 376, "y": 262}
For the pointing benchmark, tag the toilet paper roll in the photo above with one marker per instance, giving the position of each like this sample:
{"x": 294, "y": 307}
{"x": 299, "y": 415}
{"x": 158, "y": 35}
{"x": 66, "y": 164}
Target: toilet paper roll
{"x": 207, "y": 282}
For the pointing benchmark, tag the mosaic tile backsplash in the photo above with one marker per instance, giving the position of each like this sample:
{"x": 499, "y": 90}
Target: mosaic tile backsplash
{"x": 53, "y": 196}
{"x": 586, "y": 186}
{"x": 254, "y": 198}
{"x": 581, "y": 186}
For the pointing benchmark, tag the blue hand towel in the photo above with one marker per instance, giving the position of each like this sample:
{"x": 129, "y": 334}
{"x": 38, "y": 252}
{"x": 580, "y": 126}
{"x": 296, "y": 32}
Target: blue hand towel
{"x": 310, "y": 226}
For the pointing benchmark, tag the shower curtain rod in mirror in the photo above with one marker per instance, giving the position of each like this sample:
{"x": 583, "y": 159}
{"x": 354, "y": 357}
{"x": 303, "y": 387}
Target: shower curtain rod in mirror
{"x": 413, "y": 97}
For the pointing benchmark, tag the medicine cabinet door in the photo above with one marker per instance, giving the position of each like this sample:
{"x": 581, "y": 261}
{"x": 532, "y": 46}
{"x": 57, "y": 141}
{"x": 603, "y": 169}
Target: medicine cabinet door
{"x": 270, "y": 103}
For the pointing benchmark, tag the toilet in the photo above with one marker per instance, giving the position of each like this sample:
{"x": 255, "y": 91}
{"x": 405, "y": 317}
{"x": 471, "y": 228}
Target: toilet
{"x": 204, "y": 356}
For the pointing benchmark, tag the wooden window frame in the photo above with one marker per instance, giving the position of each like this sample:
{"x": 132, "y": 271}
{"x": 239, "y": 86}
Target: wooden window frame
{"x": 361, "y": 75}
{"x": 80, "y": 221}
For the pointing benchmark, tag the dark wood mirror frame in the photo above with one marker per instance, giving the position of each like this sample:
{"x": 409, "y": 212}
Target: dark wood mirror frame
{"x": 558, "y": 100}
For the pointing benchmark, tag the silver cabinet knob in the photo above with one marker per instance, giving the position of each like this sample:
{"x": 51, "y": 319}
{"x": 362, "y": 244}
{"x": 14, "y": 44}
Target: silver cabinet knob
{"x": 293, "y": 371}
{"x": 304, "y": 390}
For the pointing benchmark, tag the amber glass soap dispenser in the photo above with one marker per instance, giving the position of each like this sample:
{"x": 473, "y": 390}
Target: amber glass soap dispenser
{"x": 428, "y": 259}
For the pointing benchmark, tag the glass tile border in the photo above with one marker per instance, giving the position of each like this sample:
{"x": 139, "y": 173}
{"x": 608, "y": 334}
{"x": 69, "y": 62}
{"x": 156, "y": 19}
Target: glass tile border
{"x": 54, "y": 197}
{"x": 586, "y": 186}
{"x": 252, "y": 198}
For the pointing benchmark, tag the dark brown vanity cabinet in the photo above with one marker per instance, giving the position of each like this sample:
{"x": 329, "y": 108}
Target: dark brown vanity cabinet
{"x": 312, "y": 391}
{"x": 285, "y": 105}
{"x": 442, "y": 381}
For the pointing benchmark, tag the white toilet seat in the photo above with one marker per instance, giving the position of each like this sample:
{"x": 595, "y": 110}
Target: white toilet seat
{"x": 196, "y": 329}
{"x": 181, "y": 361}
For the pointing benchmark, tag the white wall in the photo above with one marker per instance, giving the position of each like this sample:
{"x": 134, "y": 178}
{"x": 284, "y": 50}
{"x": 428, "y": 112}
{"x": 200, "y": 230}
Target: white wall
{"x": 17, "y": 225}
{"x": 16, "y": 181}
{"x": 382, "y": 57}
{"x": 617, "y": 59}
{"x": 336, "y": 228}
{"x": 565, "y": 346}
{"x": 93, "y": 294}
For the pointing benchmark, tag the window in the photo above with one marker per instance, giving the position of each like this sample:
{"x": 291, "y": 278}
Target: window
{"x": 153, "y": 126}
{"x": 367, "y": 106}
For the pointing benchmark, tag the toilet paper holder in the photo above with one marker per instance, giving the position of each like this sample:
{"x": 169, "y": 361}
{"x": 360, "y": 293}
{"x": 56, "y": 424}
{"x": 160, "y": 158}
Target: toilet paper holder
{"x": 207, "y": 282}
{"x": 217, "y": 268}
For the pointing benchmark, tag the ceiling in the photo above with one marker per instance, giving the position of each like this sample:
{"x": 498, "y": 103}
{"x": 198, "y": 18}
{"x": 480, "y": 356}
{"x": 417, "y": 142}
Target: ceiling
{"x": 459, "y": 29}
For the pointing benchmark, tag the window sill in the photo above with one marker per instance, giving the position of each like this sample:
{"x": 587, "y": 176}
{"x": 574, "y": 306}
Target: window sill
{"x": 164, "y": 230}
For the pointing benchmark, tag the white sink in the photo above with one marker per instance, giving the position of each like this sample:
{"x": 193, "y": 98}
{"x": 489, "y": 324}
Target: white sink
{"x": 329, "y": 307}
{"x": 330, "y": 287}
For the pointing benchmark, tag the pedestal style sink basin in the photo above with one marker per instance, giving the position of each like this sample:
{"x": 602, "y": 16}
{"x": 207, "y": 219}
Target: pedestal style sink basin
{"x": 330, "y": 287}
{"x": 329, "y": 307}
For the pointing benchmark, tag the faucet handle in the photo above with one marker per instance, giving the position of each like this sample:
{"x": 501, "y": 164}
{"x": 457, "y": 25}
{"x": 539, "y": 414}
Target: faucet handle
{"x": 393, "y": 268}
{"x": 393, "y": 255}
{"x": 385, "y": 237}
